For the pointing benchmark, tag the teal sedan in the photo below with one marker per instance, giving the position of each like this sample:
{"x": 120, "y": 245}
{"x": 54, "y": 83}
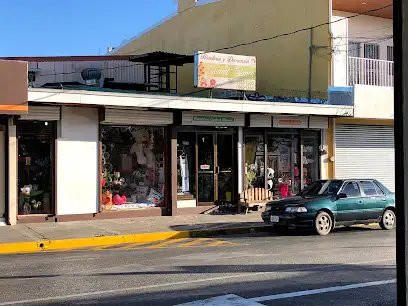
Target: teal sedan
{"x": 326, "y": 204}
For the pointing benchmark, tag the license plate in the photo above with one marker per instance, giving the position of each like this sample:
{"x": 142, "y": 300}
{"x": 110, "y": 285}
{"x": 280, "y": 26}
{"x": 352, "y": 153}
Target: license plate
{"x": 274, "y": 219}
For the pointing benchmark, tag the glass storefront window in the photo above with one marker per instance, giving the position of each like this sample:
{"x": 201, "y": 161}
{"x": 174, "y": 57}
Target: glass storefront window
{"x": 283, "y": 164}
{"x": 255, "y": 161}
{"x": 133, "y": 164}
{"x": 35, "y": 166}
{"x": 310, "y": 157}
{"x": 186, "y": 166}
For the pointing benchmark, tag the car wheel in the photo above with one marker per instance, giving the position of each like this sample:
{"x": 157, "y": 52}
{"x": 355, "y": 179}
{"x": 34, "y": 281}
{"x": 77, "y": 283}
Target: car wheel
{"x": 323, "y": 223}
{"x": 388, "y": 220}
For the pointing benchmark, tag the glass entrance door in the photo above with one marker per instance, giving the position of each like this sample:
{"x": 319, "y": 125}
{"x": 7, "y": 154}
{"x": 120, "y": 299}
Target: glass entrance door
{"x": 225, "y": 161}
{"x": 215, "y": 160}
{"x": 206, "y": 169}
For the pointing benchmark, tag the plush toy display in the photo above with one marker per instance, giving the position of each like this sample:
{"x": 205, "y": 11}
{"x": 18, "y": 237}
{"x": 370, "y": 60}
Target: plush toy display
{"x": 107, "y": 198}
{"x": 270, "y": 174}
{"x": 142, "y": 149}
{"x": 24, "y": 199}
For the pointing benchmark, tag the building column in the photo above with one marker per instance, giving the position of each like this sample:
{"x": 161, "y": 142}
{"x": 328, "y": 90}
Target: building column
{"x": 173, "y": 171}
{"x": 324, "y": 156}
{"x": 3, "y": 175}
{"x": 12, "y": 172}
{"x": 240, "y": 158}
{"x": 331, "y": 149}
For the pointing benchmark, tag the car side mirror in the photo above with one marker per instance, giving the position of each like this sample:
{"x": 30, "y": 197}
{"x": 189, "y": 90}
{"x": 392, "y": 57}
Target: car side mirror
{"x": 341, "y": 196}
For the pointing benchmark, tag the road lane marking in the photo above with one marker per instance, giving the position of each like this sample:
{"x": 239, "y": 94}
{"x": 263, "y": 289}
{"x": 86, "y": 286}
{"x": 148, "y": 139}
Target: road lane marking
{"x": 194, "y": 242}
{"x": 166, "y": 285}
{"x": 220, "y": 242}
{"x": 166, "y": 243}
{"x": 321, "y": 290}
{"x": 225, "y": 300}
{"x": 234, "y": 300}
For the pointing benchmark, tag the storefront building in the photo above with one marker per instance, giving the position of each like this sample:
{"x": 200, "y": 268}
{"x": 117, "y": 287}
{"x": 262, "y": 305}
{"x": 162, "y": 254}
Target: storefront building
{"x": 365, "y": 149}
{"x": 283, "y": 154}
{"x": 207, "y": 159}
{"x": 87, "y": 162}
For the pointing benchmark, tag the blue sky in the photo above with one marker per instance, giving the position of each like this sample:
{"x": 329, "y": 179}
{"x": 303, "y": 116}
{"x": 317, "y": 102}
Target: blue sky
{"x": 75, "y": 27}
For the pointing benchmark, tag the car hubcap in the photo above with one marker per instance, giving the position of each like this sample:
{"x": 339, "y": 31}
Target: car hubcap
{"x": 389, "y": 219}
{"x": 323, "y": 224}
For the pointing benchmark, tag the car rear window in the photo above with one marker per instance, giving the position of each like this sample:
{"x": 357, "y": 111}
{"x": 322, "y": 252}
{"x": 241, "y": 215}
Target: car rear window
{"x": 369, "y": 188}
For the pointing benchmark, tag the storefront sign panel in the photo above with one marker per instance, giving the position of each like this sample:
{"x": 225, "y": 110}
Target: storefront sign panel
{"x": 290, "y": 122}
{"x": 213, "y": 118}
{"x": 225, "y": 71}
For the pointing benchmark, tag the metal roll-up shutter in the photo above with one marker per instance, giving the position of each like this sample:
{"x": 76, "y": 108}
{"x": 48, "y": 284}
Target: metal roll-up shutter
{"x": 364, "y": 151}
{"x": 42, "y": 113}
{"x": 135, "y": 117}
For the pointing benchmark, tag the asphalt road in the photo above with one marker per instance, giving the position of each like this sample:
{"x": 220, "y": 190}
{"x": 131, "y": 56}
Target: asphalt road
{"x": 256, "y": 269}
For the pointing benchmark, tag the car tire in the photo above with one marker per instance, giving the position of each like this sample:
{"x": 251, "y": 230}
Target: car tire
{"x": 323, "y": 223}
{"x": 388, "y": 220}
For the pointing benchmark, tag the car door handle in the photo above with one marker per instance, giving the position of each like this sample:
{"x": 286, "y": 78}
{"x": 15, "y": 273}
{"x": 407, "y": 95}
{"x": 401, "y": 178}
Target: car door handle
{"x": 384, "y": 200}
{"x": 360, "y": 202}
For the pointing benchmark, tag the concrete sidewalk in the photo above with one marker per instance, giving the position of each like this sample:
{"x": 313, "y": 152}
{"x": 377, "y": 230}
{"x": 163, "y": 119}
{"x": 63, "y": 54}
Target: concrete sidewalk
{"x": 95, "y": 232}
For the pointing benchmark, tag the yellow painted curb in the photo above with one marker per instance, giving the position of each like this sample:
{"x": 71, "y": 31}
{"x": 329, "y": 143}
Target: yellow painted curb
{"x": 76, "y": 243}
{"x": 68, "y": 244}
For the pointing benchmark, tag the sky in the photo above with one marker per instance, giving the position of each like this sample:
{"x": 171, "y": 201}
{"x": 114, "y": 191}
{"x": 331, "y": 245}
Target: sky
{"x": 74, "y": 27}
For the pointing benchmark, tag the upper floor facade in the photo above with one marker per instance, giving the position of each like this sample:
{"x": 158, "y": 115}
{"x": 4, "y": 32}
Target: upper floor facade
{"x": 285, "y": 64}
{"x": 362, "y": 57}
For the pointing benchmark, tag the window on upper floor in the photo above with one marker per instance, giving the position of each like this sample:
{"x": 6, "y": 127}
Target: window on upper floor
{"x": 390, "y": 53}
{"x": 372, "y": 51}
{"x": 354, "y": 49}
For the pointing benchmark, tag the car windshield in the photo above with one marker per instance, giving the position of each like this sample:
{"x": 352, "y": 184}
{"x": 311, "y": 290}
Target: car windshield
{"x": 322, "y": 188}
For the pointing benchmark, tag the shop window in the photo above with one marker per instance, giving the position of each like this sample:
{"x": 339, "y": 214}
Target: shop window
{"x": 283, "y": 165}
{"x": 35, "y": 167}
{"x": 186, "y": 168}
{"x": 132, "y": 165}
{"x": 255, "y": 161}
{"x": 310, "y": 157}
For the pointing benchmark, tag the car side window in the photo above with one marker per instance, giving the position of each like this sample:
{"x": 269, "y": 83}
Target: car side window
{"x": 352, "y": 190}
{"x": 368, "y": 188}
{"x": 378, "y": 190}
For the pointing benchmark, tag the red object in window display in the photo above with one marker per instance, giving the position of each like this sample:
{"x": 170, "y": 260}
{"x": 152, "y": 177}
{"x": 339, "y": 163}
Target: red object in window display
{"x": 103, "y": 182}
{"x": 284, "y": 190}
{"x": 119, "y": 200}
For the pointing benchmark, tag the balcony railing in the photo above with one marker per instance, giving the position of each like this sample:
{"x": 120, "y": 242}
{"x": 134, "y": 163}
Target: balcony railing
{"x": 365, "y": 71}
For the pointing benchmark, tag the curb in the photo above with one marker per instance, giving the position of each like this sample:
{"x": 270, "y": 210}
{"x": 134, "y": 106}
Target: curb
{"x": 76, "y": 243}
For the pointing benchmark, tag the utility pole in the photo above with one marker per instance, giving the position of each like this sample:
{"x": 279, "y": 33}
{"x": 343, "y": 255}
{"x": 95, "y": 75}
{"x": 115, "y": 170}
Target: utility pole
{"x": 400, "y": 8}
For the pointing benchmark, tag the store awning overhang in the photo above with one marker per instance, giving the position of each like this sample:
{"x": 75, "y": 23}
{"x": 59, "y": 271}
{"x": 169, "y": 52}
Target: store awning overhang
{"x": 131, "y": 100}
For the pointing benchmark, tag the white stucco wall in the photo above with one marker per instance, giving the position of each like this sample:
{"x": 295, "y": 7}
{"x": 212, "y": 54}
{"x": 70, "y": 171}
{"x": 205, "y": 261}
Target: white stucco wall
{"x": 368, "y": 29}
{"x": 373, "y": 102}
{"x": 339, "y": 31}
{"x": 77, "y": 161}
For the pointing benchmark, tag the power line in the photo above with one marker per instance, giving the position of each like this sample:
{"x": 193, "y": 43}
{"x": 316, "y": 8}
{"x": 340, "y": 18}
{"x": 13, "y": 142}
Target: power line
{"x": 361, "y": 45}
{"x": 373, "y": 40}
{"x": 244, "y": 44}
